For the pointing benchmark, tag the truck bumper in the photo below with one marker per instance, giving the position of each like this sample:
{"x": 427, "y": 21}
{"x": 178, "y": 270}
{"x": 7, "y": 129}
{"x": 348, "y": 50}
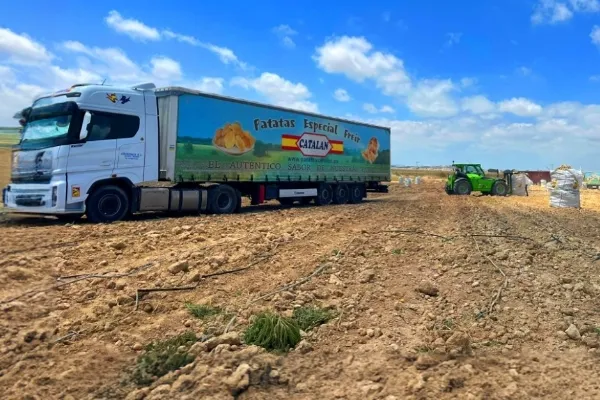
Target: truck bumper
{"x": 39, "y": 199}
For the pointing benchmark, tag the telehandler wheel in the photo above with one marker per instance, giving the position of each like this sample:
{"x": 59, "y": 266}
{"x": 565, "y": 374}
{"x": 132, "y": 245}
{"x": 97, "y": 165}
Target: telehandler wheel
{"x": 222, "y": 199}
{"x": 356, "y": 193}
{"x": 500, "y": 188}
{"x": 462, "y": 187}
{"x": 107, "y": 204}
{"x": 341, "y": 194}
{"x": 324, "y": 195}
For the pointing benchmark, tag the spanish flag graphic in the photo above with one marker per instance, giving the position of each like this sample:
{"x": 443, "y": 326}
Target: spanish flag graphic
{"x": 312, "y": 141}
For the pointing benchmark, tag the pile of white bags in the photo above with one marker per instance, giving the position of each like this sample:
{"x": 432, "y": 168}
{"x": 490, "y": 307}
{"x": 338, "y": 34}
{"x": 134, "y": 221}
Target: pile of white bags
{"x": 564, "y": 187}
{"x": 519, "y": 184}
{"x": 407, "y": 182}
{"x": 417, "y": 180}
{"x": 401, "y": 180}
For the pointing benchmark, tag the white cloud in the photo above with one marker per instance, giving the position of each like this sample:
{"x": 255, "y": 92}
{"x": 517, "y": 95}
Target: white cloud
{"x": 595, "y": 78}
{"x": 79, "y": 63}
{"x": 478, "y": 105}
{"x": 181, "y": 38}
{"x": 453, "y": 38}
{"x": 468, "y": 82}
{"x": 227, "y": 56}
{"x": 166, "y": 68}
{"x": 431, "y": 98}
{"x": 524, "y": 71}
{"x": 589, "y": 6}
{"x": 21, "y": 49}
{"x": 131, "y": 27}
{"x": 595, "y": 35}
{"x": 370, "y": 108}
{"x": 386, "y": 16}
{"x": 521, "y": 107}
{"x": 341, "y": 95}
{"x": 279, "y": 91}
{"x": 285, "y": 33}
{"x": 550, "y": 11}
{"x": 209, "y": 85}
{"x": 354, "y": 58}
{"x": 137, "y": 30}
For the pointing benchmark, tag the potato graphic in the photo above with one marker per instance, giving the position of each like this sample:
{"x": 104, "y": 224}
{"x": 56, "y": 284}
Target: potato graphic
{"x": 233, "y": 139}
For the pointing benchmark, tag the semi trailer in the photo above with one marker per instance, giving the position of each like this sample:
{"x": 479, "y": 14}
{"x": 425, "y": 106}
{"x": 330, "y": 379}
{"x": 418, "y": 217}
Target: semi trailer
{"x": 108, "y": 152}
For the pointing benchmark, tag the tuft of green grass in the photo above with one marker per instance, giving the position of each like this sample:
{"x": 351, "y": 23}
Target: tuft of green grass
{"x": 202, "y": 311}
{"x": 162, "y": 357}
{"x": 398, "y": 251}
{"x": 273, "y": 332}
{"x": 308, "y": 318}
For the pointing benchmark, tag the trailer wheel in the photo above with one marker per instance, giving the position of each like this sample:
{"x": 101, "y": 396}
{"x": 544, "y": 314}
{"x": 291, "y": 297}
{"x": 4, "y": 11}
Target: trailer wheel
{"x": 324, "y": 195}
{"x": 356, "y": 193}
{"x": 341, "y": 194}
{"x": 107, "y": 204}
{"x": 222, "y": 199}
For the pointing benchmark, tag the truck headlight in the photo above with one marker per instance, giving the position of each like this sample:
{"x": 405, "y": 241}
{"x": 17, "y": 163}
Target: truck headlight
{"x": 54, "y": 195}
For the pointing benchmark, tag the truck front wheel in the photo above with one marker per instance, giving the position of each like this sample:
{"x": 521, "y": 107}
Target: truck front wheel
{"x": 222, "y": 199}
{"x": 107, "y": 204}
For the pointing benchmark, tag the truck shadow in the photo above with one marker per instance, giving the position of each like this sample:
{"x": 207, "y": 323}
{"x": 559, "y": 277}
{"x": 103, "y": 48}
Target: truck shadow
{"x": 46, "y": 221}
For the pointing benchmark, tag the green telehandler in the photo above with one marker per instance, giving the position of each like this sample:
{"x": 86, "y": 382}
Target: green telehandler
{"x": 467, "y": 178}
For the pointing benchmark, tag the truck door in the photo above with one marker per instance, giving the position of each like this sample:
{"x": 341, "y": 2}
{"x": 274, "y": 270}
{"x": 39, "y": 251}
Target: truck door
{"x": 131, "y": 148}
{"x": 96, "y": 154}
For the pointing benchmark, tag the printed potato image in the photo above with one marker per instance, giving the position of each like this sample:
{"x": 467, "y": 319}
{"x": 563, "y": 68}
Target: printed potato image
{"x": 233, "y": 139}
{"x": 372, "y": 151}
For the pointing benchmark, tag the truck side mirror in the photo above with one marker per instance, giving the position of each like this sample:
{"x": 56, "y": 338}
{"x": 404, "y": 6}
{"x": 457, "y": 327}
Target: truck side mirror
{"x": 87, "y": 118}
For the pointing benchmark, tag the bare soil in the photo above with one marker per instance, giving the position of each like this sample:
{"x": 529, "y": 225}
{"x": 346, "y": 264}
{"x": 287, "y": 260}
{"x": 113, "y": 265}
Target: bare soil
{"x": 425, "y": 309}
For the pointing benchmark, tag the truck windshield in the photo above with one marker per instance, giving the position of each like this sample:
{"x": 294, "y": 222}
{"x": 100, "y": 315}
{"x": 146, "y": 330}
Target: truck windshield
{"x": 47, "y": 128}
{"x": 51, "y": 125}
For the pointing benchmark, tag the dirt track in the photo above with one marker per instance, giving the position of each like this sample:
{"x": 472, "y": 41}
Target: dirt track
{"x": 390, "y": 341}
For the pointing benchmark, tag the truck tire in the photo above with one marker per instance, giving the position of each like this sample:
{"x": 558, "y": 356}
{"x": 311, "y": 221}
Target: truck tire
{"x": 222, "y": 199}
{"x": 341, "y": 194}
{"x": 324, "y": 195}
{"x": 462, "y": 187}
{"x": 107, "y": 204}
{"x": 356, "y": 194}
{"x": 500, "y": 188}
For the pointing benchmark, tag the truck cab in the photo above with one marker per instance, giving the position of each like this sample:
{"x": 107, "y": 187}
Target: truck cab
{"x": 76, "y": 141}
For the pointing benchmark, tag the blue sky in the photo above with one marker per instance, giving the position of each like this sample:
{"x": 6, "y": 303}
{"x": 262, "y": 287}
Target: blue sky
{"x": 508, "y": 83}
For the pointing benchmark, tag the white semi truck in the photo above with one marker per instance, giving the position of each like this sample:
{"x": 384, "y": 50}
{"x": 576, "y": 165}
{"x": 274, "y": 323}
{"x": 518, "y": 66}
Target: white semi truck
{"x": 107, "y": 152}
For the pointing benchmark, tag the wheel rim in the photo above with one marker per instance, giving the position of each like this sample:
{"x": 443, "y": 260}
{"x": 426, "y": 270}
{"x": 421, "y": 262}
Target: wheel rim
{"x": 223, "y": 201}
{"x": 462, "y": 189}
{"x": 343, "y": 193}
{"x": 357, "y": 192}
{"x": 109, "y": 205}
{"x": 501, "y": 189}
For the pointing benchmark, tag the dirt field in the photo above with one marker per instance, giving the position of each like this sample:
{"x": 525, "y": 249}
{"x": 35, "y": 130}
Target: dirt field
{"x": 424, "y": 309}
{"x": 4, "y": 167}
